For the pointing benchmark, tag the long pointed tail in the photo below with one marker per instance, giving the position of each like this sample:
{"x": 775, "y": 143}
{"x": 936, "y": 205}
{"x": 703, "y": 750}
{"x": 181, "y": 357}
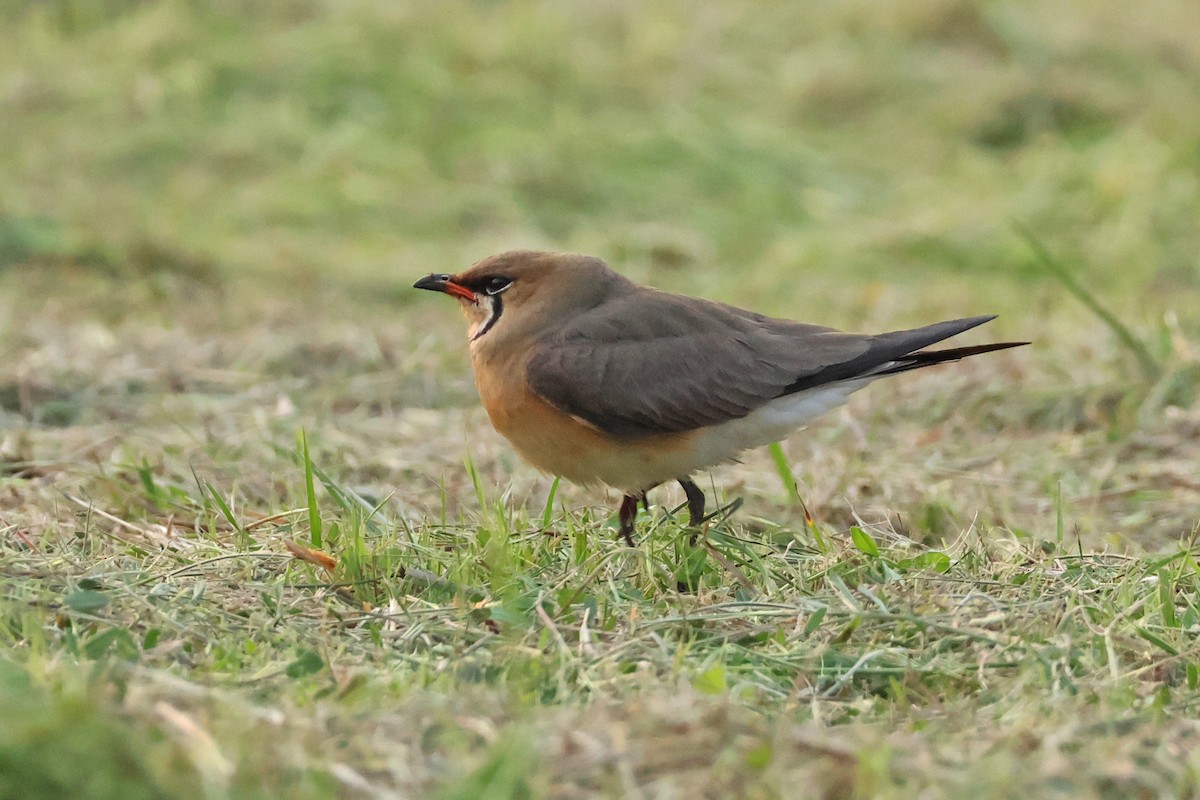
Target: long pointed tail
{"x": 927, "y": 358}
{"x": 900, "y": 351}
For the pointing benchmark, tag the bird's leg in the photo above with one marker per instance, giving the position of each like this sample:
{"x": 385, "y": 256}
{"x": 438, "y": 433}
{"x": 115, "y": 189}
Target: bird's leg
{"x": 692, "y": 567}
{"x": 695, "y": 502}
{"x": 627, "y": 515}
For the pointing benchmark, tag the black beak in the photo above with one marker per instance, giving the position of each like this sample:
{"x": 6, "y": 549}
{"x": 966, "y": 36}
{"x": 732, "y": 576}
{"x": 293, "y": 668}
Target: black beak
{"x": 445, "y": 284}
{"x": 434, "y": 283}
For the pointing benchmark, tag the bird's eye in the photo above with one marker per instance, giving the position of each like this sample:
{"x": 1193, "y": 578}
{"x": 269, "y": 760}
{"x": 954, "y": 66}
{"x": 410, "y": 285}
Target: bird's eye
{"x": 497, "y": 285}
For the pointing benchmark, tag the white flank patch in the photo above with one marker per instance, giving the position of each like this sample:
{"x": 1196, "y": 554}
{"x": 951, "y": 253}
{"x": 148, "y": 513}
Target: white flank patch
{"x": 774, "y": 421}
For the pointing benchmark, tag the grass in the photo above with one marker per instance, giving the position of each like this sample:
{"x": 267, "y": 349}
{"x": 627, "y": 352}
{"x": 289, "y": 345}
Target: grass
{"x": 258, "y": 539}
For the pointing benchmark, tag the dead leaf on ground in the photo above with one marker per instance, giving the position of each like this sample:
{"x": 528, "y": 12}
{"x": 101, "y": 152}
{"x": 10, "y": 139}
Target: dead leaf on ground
{"x": 317, "y": 557}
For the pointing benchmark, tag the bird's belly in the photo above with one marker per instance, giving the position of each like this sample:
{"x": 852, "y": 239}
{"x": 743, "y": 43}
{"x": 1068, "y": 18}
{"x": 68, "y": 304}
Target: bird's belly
{"x": 559, "y": 444}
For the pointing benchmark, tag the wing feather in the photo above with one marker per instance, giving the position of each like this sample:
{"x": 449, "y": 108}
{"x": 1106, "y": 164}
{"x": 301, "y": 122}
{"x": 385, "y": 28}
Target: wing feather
{"x": 660, "y": 363}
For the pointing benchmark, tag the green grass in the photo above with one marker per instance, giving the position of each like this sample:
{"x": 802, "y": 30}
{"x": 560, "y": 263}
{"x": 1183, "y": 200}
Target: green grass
{"x": 977, "y": 581}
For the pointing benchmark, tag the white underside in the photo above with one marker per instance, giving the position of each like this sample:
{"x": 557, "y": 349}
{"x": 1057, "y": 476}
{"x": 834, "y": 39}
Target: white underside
{"x": 725, "y": 442}
{"x": 774, "y": 421}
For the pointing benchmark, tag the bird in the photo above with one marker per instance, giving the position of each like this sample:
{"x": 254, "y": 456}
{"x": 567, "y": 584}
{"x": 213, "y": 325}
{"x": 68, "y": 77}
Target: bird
{"x": 596, "y": 379}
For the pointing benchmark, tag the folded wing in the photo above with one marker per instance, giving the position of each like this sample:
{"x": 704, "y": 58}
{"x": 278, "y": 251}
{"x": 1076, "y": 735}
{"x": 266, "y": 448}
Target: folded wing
{"x": 661, "y": 363}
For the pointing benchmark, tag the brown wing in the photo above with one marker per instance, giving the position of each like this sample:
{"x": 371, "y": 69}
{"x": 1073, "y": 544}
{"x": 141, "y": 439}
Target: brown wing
{"x": 661, "y": 363}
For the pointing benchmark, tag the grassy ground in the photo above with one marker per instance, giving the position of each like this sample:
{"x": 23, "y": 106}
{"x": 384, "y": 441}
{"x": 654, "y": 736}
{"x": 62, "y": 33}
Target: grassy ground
{"x": 257, "y": 539}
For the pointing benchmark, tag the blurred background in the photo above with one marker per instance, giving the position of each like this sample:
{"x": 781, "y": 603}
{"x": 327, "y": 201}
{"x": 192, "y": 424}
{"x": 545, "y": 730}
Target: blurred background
{"x": 211, "y": 213}
{"x": 774, "y": 153}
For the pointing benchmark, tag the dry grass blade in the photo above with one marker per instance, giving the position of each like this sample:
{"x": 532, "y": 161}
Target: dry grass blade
{"x": 993, "y": 596}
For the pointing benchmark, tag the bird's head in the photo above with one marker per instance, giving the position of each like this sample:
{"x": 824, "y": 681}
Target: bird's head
{"x": 525, "y": 292}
